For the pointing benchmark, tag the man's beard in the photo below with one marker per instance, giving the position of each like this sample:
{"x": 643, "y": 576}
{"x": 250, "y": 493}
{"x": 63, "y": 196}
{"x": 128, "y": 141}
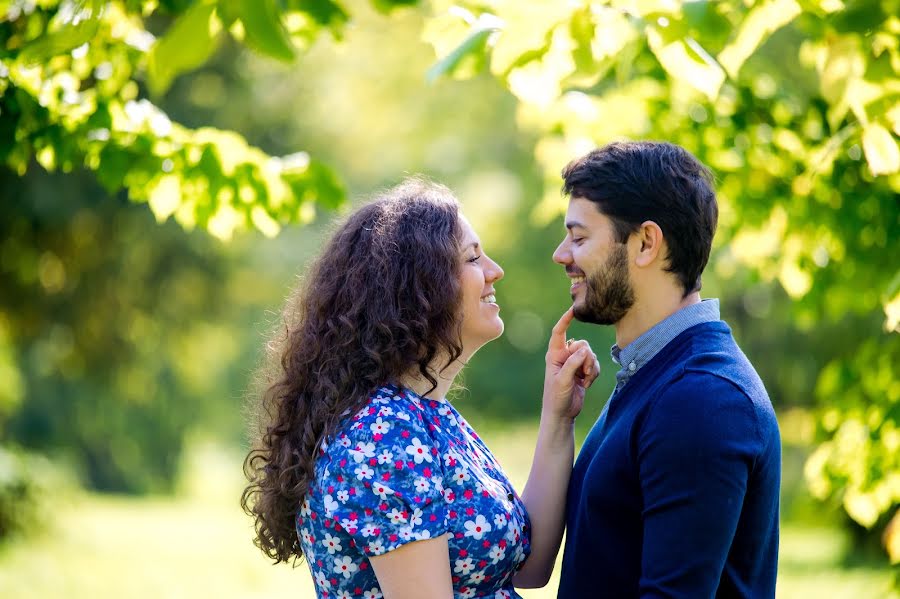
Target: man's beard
{"x": 608, "y": 293}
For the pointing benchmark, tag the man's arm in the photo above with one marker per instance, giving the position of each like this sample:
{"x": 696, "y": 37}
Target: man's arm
{"x": 695, "y": 453}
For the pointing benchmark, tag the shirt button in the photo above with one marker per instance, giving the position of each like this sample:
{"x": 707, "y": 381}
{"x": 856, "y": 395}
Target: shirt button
{"x": 509, "y": 496}
{"x": 519, "y": 565}
{"x": 524, "y": 528}
{"x": 632, "y": 366}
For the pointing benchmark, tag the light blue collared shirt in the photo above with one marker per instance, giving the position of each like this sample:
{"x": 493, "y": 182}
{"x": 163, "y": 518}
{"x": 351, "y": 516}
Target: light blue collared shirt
{"x": 640, "y": 351}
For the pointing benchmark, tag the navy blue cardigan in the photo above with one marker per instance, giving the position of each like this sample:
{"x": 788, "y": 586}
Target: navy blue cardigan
{"x": 675, "y": 491}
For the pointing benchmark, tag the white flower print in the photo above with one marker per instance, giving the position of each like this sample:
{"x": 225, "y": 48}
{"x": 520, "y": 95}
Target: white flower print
{"x": 416, "y": 518}
{"x": 343, "y": 595}
{"x": 501, "y": 594}
{"x": 500, "y": 520}
{"x": 461, "y": 476}
{"x": 363, "y": 451}
{"x": 344, "y": 442}
{"x": 402, "y": 416}
{"x": 373, "y": 593}
{"x": 466, "y": 593}
{"x": 305, "y": 510}
{"x": 322, "y": 581}
{"x": 476, "y": 578}
{"x": 385, "y": 411}
{"x": 422, "y": 535}
{"x": 385, "y": 457}
{"x": 332, "y": 544}
{"x": 405, "y": 533}
{"x": 464, "y": 566}
{"x": 330, "y": 505}
{"x": 363, "y": 472}
{"x": 379, "y": 427}
{"x": 382, "y": 490}
{"x": 496, "y": 554}
{"x": 418, "y": 451}
{"x": 477, "y": 528}
{"x": 369, "y": 529}
{"x": 450, "y": 459}
{"x": 307, "y": 536}
{"x": 349, "y": 525}
{"x": 397, "y": 517}
{"x": 343, "y": 496}
{"x": 376, "y": 547}
{"x": 422, "y": 485}
{"x": 344, "y": 565}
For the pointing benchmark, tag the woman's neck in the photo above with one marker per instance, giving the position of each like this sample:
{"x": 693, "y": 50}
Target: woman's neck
{"x": 444, "y": 378}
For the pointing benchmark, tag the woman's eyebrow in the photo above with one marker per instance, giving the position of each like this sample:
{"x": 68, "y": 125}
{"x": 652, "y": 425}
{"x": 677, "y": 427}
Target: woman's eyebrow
{"x": 572, "y": 224}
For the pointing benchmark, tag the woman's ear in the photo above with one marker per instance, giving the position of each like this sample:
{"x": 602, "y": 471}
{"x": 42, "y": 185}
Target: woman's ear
{"x": 650, "y": 237}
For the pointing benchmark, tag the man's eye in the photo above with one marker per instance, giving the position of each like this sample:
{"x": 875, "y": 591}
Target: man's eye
{"x": 577, "y": 239}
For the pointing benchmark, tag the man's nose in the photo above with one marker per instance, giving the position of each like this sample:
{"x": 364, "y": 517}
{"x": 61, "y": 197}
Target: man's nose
{"x": 562, "y": 255}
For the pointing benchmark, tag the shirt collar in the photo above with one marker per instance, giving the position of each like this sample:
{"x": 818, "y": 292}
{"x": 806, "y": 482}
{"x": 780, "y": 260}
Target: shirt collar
{"x": 640, "y": 351}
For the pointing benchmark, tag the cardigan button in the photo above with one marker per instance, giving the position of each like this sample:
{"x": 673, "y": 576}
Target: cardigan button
{"x": 510, "y": 496}
{"x": 519, "y": 565}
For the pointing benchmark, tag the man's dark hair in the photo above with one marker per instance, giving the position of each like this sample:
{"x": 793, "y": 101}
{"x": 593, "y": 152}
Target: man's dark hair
{"x": 633, "y": 182}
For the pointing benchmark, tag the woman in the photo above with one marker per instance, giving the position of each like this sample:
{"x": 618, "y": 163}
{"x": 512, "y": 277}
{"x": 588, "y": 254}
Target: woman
{"x": 362, "y": 466}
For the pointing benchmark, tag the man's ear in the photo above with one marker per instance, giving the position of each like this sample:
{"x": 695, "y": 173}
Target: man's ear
{"x": 650, "y": 238}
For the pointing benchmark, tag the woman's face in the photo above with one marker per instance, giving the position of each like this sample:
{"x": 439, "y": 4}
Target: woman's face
{"x": 480, "y": 312}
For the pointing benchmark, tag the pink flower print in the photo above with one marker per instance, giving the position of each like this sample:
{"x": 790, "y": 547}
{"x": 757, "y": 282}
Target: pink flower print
{"x": 464, "y": 566}
{"x": 363, "y": 451}
{"x": 332, "y": 544}
{"x": 363, "y": 472}
{"x": 344, "y": 565}
{"x": 461, "y": 476}
{"x": 385, "y": 457}
{"x": 379, "y": 427}
{"x": 418, "y": 451}
{"x": 477, "y": 528}
{"x": 382, "y": 490}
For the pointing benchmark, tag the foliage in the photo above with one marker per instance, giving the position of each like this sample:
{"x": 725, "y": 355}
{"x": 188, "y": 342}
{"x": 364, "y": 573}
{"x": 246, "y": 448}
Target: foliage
{"x": 71, "y": 77}
{"x": 27, "y": 481}
{"x": 796, "y": 106}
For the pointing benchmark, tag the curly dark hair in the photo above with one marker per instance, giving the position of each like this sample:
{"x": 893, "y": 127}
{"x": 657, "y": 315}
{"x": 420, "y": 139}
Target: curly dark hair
{"x": 380, "y": 303}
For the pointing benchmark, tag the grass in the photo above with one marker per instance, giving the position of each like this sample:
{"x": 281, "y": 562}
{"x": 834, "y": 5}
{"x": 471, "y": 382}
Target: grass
{"x": 198, "y": 545}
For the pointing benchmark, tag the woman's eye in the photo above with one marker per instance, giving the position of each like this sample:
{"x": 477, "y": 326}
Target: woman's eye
{"x": 475, "y": 259}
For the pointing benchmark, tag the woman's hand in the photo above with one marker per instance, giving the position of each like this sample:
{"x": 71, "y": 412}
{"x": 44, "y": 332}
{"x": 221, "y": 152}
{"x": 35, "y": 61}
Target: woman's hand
{"x": 571, "y": 368}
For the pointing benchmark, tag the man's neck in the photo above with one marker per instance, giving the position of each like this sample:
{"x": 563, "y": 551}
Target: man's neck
{"x": 643, "y": 316}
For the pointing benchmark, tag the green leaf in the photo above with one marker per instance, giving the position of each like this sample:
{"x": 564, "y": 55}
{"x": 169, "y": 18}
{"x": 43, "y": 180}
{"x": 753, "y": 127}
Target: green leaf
{"x": 86, "y": 19}
{"x": 472, "y": 50}
{"x": 324, "y": 12}
{"x": 686, "y": 60}
{"x": 187, "y": 44}
{"x": 263, "y": 29}
{"x": 759, "y": 24}
{"x": 386, "y": 6}
{"x": 881, "y": 150}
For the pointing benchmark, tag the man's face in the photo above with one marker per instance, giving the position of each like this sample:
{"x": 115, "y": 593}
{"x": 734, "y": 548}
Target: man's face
{"x": 596, "y": 263}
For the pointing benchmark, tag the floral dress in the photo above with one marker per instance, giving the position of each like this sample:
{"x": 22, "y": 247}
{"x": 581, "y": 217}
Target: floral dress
{"x": 403, "y": 469}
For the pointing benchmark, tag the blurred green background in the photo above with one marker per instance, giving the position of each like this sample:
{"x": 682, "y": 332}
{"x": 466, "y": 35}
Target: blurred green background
{"x": 167, "y": 168}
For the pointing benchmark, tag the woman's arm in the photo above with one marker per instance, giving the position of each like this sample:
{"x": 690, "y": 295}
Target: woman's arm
{"x": 415, "y": 570}
{"x": 570, "y": 370}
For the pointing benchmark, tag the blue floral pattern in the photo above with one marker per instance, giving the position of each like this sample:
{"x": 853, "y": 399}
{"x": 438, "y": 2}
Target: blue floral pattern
{"x": 402, "y": 469}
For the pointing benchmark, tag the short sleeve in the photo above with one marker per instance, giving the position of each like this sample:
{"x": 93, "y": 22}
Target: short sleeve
{"x": 386, "y": 471}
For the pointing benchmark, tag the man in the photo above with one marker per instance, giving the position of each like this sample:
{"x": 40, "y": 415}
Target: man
{"x": 675, "y": 491}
